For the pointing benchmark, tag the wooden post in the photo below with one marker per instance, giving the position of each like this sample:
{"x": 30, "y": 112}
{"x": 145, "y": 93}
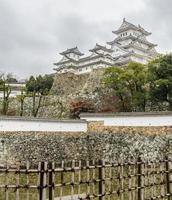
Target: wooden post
{"x": 51, "y": 181}
{"x": 6, "y": 182}
{"x": 42, "y": 180}
{"x": 27, "y": 179}
{"x": 168, "y": 176}
{"x": 140, "y": 181}
{"x": 101, "y": 179}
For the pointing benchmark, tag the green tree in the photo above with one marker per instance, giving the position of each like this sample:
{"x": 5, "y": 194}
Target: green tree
{"x": 129, "y": 83}
{"x": 37, "y": 88}
{"x": 160, "y": 77}
{"x": 6, "y": 90}
{"x": 11, "y": 78}
{"x": 113, "y": 79}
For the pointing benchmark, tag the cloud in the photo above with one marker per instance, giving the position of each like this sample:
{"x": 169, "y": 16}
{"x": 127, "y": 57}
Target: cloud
{"x": 156, "y": 16}
{"x": 33, "y": 32}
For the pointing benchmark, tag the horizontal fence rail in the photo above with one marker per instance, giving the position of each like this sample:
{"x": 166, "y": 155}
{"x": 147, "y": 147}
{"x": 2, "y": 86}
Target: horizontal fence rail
{"x": 100, "y": 180}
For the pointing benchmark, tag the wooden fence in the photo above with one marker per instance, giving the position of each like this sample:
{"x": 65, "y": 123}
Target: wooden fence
{"x": 131, "y": 180}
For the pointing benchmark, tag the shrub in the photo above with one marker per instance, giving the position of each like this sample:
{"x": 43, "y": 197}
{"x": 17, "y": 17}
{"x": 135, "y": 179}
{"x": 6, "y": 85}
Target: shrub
{"x": 79, "y": 106}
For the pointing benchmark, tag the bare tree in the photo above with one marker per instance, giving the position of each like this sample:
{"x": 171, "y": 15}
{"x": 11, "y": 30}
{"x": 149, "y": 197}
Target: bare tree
{"x": 21, "y": 99}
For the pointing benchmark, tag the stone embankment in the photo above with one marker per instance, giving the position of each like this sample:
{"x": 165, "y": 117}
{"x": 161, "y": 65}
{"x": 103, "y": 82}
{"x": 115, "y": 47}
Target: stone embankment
{"x": 99, "y": 141}
{"x": 40, "y": 146}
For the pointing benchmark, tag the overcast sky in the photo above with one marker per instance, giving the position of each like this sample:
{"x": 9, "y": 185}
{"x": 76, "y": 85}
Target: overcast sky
{"x": 33, "y": 32}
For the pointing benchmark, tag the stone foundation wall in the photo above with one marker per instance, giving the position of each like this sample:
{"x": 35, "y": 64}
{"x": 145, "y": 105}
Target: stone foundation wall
{"x": 109, "y": 145}
{"x": 147, "y": 131}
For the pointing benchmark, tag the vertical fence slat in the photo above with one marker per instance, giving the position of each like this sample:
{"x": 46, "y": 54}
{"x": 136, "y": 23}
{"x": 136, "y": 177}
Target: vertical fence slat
{"x": 42, "y": 180}
{"x": 134, "y": 180}
{"x": 122, "y": 180}
{"x": 168, "y": 178}
{"x": 6, "y": 182}
{"x": 39, "y": 169}
{"x": 62, "y": 179}
{"x": 156, "y": 168}
{"x": 79, "y": 180}
{"x": 88, "y": 178}
{"x": 152, "y": 179}
{"x": 101, "y": 180}
{"x": 129, "y": 181}
{"x": 145, "y": 181}
{"x": 140, "y": 179}
{"x": 17, "y": 182}
{"x": 27, "y": 180}
{"x": 51, "y": 180}
{"x": 110, "y": 183}
{"x": 162, "y": 189}
{"x": 94, "y": 178}
{"x": 72, "y": 179}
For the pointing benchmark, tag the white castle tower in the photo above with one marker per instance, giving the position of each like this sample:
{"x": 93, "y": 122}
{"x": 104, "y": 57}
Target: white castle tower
{"x": 130, "y": 44}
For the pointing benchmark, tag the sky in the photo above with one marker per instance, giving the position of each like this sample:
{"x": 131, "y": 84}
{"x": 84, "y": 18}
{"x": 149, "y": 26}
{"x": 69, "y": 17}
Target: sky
{"x": 33, "y": 32}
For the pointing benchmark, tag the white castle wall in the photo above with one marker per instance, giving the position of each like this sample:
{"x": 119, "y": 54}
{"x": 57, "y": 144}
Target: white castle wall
{"x": 15, "y": 125}
{"x": 131, "y": 121}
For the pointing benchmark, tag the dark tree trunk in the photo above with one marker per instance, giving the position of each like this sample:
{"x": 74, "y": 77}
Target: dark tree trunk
{"x": 38, "y": 106}
{"x": 22, "y": 104}
{"x": 6, "y": 95}
{"x": 170, "y": 106}
{"x": 34, "y": 103}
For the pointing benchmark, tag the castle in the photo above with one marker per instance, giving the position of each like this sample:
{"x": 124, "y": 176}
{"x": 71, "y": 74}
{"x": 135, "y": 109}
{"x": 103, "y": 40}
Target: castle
{"x": 130, "y": 44}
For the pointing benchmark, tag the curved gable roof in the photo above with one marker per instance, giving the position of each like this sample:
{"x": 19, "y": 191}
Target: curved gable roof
{"x": 127, "y": 25}
{"x": 74, "y": 50}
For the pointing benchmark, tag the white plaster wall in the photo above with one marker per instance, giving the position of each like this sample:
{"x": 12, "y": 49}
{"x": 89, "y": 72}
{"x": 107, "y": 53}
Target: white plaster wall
{"x": 14, "y": 125}
{"x": 117, "y": 51}
{"x": 133, "y": 120}
{"x": 145, "y": 46}
{"x": 140, "y": 52}
{"x": 125, "y": 42}
{"x": 13, "y": 93}
{"x": 74, "y": 56}
{"x": 84, "y": 70}
{"x": 140, "y": 60}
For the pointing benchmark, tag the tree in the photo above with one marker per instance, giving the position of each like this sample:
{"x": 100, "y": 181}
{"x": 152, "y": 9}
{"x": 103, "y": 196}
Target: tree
{"x": 113, "y": 80}
{"x": 6, "y": 90}
{"x": 160, "y": 78}
{"x": 11, "y": 79}
{"x": 37, "y": 88}
{"x": 129, "y": 83}
{"x": 21, "y": 99}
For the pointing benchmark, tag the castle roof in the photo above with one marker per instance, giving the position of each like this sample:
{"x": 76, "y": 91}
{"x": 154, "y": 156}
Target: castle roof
{"x": 133, "y": 38}
{"x": 100, "y": 47}
{"x": 74, "y": 50}
{"x": 127, "y": 25}
{"x": 65, "y": 67}
{"x": 101, "y": 61}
